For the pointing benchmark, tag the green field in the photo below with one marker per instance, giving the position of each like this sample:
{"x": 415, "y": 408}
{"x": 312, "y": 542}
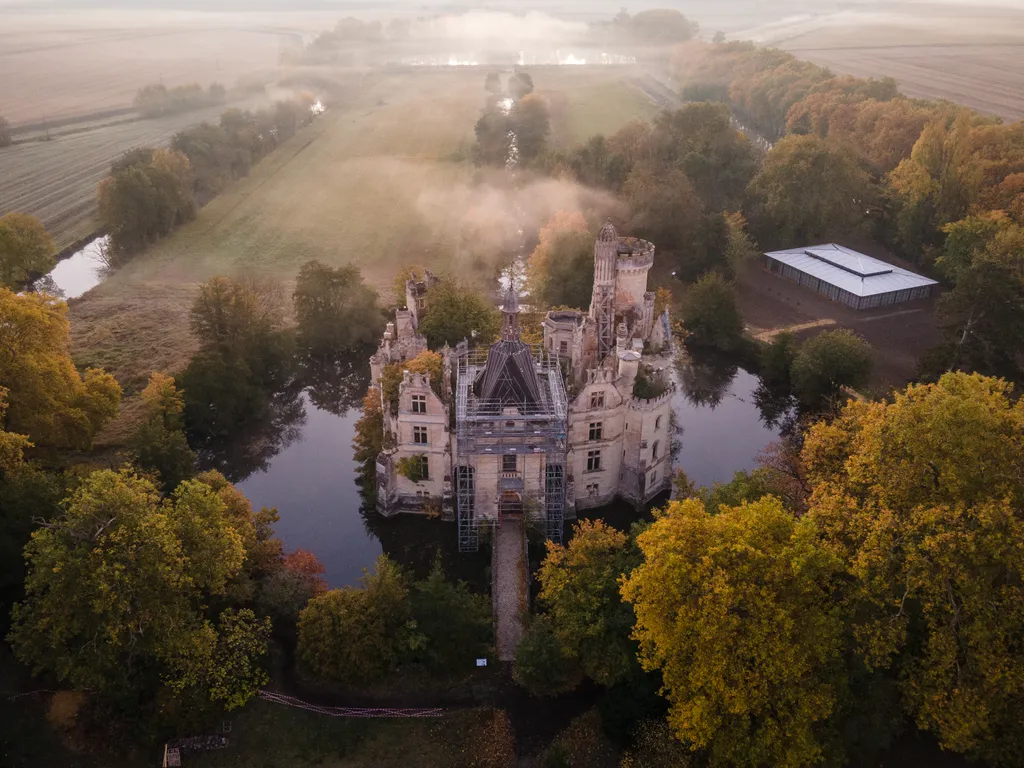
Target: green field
{"x": 381, "y": 181}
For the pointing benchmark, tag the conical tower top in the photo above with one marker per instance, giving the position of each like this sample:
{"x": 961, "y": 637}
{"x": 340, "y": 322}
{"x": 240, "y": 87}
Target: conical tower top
{"x": 510, "y": 315}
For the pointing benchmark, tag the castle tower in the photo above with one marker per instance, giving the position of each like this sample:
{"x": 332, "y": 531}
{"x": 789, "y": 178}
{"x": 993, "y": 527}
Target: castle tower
{"x": 602, "y": 301}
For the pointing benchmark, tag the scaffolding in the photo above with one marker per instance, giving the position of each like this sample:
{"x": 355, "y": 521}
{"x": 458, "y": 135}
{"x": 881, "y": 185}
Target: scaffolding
{"x": 527, "y": 423}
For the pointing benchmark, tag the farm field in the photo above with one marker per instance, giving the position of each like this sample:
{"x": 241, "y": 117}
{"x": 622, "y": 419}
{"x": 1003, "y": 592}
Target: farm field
{"x": 384, "y": 181}
{"x": 77, "y": 63}
{"x": 973, "y": 56}
{"x": 56, "y": 180}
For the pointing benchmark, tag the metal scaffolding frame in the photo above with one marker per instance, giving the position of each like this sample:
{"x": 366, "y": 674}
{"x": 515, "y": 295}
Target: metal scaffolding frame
{"x": 494, "y": 427}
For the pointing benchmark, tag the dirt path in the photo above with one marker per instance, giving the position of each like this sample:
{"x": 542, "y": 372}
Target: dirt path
{"x": 509, "y": 587}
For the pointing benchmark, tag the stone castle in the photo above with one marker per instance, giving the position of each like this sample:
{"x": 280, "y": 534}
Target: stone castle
{"x": 533, "y": 433}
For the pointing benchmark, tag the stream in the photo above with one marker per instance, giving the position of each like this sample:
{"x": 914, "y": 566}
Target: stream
{"x": 73, "y": 275}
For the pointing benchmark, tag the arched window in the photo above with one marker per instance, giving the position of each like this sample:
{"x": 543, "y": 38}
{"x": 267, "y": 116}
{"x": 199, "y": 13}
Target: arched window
{"x": 654, "y": 451}
{"x": 657, "y": 423}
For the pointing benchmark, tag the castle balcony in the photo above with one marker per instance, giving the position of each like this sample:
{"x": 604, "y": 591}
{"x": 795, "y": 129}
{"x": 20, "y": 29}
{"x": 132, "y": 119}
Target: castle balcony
{"x": 510, "y": 481}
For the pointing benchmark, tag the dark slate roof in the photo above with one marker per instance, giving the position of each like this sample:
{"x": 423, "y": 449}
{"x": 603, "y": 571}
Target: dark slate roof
{"x": 510, "y": 376}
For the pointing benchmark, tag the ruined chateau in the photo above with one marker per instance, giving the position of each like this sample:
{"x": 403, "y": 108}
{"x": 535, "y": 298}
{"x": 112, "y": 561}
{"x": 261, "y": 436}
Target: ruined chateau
{"x": 533, "y": 432}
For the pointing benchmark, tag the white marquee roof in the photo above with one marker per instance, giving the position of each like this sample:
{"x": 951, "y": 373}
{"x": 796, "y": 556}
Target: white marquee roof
{"x": 849, "y": 270}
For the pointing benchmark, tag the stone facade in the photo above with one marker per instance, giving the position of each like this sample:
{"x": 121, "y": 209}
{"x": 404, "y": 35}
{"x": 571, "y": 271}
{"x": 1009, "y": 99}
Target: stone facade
{"x": 611, "y": 438}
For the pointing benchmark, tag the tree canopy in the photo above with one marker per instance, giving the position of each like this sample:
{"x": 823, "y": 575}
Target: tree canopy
{"x": 458, "y": 312}
{"x": 826, "y": 363}
{"x": 26, "y": 250}
{"x": 710, "y": 315}
{"x": 116, "y": 590}
{"x": 48, "y": 400}
{"x": 736, "y": 611}
{"x": 335, "y": 309}
{"x": 560, "y": 271}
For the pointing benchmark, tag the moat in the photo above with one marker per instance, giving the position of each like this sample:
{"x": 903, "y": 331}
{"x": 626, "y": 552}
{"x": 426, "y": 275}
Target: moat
{"x": 305, "y": 468}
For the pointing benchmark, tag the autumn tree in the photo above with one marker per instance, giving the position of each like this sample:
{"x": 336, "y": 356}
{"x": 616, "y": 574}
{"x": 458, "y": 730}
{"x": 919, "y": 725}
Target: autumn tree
{"x": 147, "y": 195}
{"x": 335, "y": 309}
{"x": 369, "y": 440}
{"x": 48, "y": 399}
{"x": 26, "y": 250}
{"x": 458, "y": 312}
{"x": 357, "y": 635}
{"x": 828, "y": 362}
{"x": 580, "y": 594}
{"x": 160, "y": 445}
{"x": 426, "y": 362}
{"x": 560, "y": 271}
{"x": 710, "y": 314}
{"x": 666, "y": 208}
{"x": 283, "y": 593}
{"x": 736, "y": 610}
{"x": 147, "y": 568}
{"x": 921, "y": 499}
{"x": 809, "y": 190}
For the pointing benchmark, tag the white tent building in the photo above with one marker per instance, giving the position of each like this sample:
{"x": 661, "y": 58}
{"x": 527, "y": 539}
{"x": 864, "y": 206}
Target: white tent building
{"x": 844, "y": 275}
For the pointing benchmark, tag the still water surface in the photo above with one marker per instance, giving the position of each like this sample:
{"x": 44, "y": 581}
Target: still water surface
{"x": 304, "y": 467}
{"x": 81, "y": 271}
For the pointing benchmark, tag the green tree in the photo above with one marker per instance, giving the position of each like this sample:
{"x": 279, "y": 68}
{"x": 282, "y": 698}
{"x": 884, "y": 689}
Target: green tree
{"x": 776, "y": 360}
{"x": 544, "y": 665}
{"x": 741, "y": 249}
{"x": 335, "y": 309}
{"x": 532, "y": 125}
{"x": 560, "y": 271}
{"x": 48, "y": 400}
{"x": 710, "y": 314}
{"x": 369, "y": 441}
{"x": 26, "y": 250}
{"x": 921, "y": 499}
{"x": 116, "y": 589}
{"x": 828, "y": 362}
{"x": 736, "y": 610}
{"x": 492, "y": 139}
{"x": 809, "y": 190}
{"x": 357, "y": 635}
{"x": 159, "y": 445}
{"x": 580, "y": 593}
{"x": 666, "y": 209}
{"x": 455, "y": 622}
{"x": 458, "y": 312}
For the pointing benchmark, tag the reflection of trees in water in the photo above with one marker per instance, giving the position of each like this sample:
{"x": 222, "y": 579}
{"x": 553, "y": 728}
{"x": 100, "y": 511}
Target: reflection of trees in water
{"x": 414, "y": 541}
{"x": 778, "y": 408}
{"x": 336, "y": 383}
{"x": 46, "y": 284}
{"x": 252, "y": 448}
{"x": 706, "y": 379}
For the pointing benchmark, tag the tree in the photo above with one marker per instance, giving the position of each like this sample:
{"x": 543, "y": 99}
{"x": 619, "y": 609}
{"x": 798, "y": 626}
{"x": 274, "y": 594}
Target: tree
{"x": 736, "y": 610}
{"x": 147, "y": 195}
{"x": 580, "y": 593}
{"x": 284, "y": 593}
{"x": 26, "y": 250}
{"x": 458, "y": 312}
{"x": 828, "y": 362}
{"x": 740, "y": 249}
{"x": 335, "y": 309}
{"x": 455, "y": 622}
{"x": 160, "y": 445}
{"x": 532, "y": 125}
{"x": 492, "y": 83}
{"x": 809, "y": 190}
{"x": 125, "y": 566}
{"x": 48, "y": 400}
{"x": 544, "y": 665}
{"x": 710, "y": 314}
{"x": 492, "y": 136}
{"x": 244, "y": 356}
{"x": 921, "y": 499}
{"x": 666, "y": 209}
{"x": 369, "y": 440}
{"x": 426, "y": 362}
{"x": 355, "y": 635}
{"x": 5, "y": 133}
{"x": 776, "y": 360}
{"x": 560, "y": 271}
{"x": 520, "y": 85}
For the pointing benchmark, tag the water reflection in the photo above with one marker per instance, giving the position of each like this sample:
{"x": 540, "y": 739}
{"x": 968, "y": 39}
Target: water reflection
{"x": 727, "y": 417}
{"x": 78, "y": 273}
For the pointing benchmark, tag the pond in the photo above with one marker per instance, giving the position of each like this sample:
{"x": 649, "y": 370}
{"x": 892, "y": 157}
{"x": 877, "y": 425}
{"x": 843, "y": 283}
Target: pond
{"x": 301, "y": 462}
{"x": 81, "y": 271}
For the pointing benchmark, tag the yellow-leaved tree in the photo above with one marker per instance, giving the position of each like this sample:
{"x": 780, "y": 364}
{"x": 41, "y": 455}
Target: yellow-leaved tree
{"x": 922, "y": 499}
{"x": 737, "y": 610}
{"x": 48, "y": 399}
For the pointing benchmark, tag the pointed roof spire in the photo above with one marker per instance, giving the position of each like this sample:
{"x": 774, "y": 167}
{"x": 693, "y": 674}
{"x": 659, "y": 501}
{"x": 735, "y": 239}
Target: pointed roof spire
{"x": 510, "y": 315}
